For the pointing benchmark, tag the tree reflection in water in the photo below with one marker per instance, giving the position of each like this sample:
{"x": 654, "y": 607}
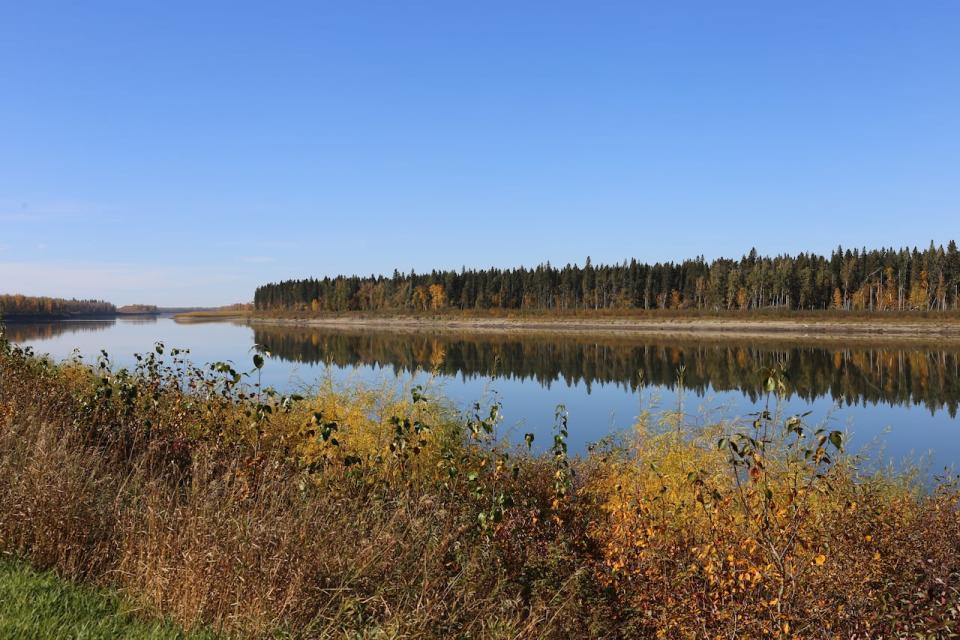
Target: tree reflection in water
{"x": 895, "y": 374}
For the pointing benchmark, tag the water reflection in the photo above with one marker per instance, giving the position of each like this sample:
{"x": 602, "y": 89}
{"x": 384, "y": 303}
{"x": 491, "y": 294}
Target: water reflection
{"x": 138, "y": 319}
{"x": 849, "y": 374}
{"x": 27, "y": 331}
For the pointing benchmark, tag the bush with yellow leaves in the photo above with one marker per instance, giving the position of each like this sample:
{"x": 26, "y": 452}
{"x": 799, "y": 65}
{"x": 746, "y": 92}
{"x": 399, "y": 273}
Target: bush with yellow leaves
{"x": 767, "y": 529}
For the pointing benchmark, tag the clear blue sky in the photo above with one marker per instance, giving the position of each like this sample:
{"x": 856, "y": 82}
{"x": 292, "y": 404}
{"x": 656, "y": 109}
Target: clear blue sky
{"x": 184, "y": 152}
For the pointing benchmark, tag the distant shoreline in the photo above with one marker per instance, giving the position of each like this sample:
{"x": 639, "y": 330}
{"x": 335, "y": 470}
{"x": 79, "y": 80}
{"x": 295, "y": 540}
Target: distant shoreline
{"x": 60, "y": 317}
{"x": 74, "y": 316}
{"x": 690, "y": 326}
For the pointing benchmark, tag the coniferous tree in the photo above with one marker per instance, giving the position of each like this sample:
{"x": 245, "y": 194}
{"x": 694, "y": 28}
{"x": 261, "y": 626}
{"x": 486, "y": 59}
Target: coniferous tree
{"x": 859, "y": 280}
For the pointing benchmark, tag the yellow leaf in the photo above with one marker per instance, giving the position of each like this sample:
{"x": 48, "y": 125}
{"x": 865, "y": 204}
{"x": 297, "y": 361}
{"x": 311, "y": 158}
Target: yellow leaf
{"x": 820, "y": 559}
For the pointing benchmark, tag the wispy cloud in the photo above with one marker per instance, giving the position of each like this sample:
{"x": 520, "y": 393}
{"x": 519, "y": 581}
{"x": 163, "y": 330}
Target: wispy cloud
{"x": 27, "y": 211}
{"x": 260, "y": 244}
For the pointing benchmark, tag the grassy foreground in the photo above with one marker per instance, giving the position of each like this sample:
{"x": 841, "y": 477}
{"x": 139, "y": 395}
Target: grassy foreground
{"x": 366, "y": 513}
{"x": 41, "y": 606}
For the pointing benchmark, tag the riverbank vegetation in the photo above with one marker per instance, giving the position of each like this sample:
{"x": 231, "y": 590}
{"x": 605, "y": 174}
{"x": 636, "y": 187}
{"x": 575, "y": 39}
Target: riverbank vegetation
{"x": 15, "y": 305}
{"x": 207, "y": 498}
{"x": 880, "y": 280}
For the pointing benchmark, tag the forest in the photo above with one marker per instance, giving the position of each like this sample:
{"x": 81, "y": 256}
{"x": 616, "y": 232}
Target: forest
{"x": 846, "y": 280}
{"x": 139, "y": 309}
{"x": 15, "y": 305}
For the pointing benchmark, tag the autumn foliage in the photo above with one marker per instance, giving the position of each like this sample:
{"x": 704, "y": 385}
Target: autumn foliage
{"x": 13, "y": 305}
{"x": 367, "y": 512}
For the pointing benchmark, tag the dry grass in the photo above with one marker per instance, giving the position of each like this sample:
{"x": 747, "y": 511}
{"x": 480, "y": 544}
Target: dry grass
{"x": 214, "y": 314}
{"x": 370, "y": 515}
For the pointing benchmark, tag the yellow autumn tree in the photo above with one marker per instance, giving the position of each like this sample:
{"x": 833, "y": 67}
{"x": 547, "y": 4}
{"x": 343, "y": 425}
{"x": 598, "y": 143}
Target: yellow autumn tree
{"x": 742, "y": 298}
{"x": 438, "y": 297}
{"x": 889, "y": 297}
{"x": 421, "y": 297}
{"x": 859, "y": 298}
{"x": 675, "y": 299}
{"x": 837, "y": 299}
{"x": 919, "y": 291}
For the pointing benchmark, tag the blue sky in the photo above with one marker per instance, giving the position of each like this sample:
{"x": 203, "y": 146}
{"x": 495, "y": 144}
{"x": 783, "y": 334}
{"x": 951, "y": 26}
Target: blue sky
{"x": 184, "y": 152}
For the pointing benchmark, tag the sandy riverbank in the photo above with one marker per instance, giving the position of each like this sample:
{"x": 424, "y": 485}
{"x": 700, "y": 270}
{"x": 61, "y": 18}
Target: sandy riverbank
{"x": 703, "y": 327}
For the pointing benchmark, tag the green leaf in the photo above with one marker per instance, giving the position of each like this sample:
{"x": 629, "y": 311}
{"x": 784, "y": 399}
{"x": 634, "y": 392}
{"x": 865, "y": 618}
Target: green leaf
{"x": 836, "y": 439}
{"x": 258, "y": 361}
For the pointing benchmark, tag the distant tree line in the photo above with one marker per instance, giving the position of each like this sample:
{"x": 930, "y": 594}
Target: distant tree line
{"x": 139, "y": 309}
{"x": 42, "y": 306}
{"x": 875, "y": 280}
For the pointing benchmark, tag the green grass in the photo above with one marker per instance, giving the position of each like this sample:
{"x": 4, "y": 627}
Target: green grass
{"x": 39, "y": 606}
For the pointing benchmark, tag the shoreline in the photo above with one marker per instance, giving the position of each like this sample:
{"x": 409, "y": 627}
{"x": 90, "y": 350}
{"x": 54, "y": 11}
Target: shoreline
{"x": 691, "y": 327}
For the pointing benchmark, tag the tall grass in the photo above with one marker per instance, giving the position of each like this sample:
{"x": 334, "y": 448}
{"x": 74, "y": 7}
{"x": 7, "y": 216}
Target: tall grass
{"x": 217, "y": 502}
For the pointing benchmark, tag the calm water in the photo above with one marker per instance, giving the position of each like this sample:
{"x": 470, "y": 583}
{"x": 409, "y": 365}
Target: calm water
{"x": 902, "y": 397}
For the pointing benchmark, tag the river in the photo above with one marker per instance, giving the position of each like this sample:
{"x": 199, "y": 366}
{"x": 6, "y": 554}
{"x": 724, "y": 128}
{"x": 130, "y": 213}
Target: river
{"x": 898, "y": 401}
